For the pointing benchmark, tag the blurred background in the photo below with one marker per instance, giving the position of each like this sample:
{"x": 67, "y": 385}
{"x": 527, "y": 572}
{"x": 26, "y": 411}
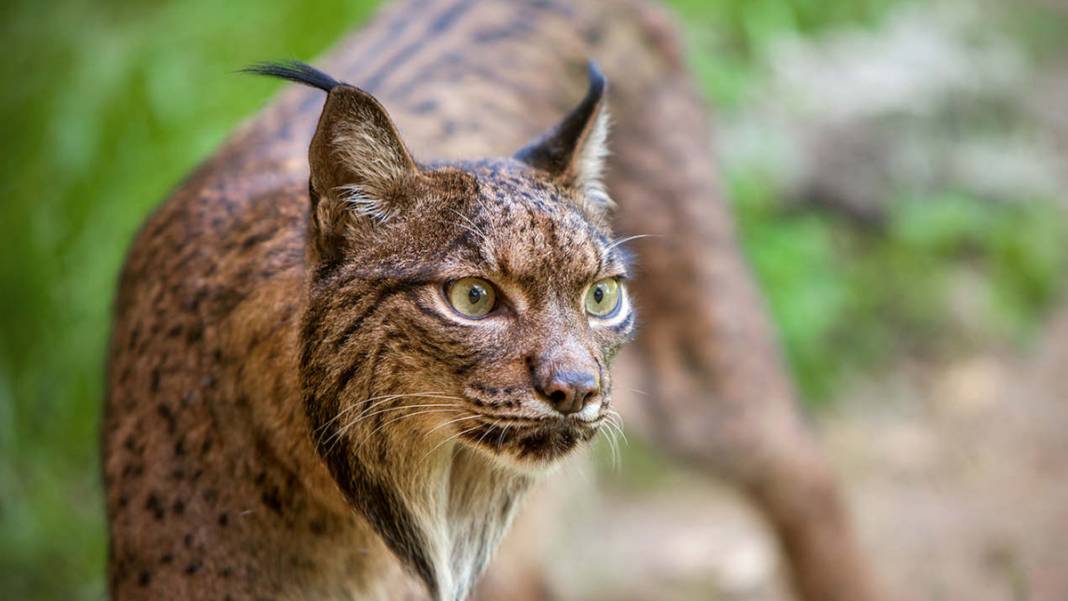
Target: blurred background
{"x": 898, "y": 173}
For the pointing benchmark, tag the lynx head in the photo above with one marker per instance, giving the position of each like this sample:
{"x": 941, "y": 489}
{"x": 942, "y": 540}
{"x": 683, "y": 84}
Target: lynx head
{"x": 476, "y": 303}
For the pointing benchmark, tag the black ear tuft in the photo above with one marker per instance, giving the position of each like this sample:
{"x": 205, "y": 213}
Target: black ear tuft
{"x": 573, "y": 151}
{"x": 295, "y": 71}
{"x": 557, "y": 150}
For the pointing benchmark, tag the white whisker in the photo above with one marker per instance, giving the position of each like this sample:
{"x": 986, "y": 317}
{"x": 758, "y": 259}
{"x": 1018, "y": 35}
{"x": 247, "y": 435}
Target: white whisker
{"x": 452, "y": 421}
{"x": 616, "y": 243}
{"x": 380, "y": 400}
{"x": 610, "y": 437}
{"x": 449, "y": 409}
{"x": 364, "y": 416}
{"x": 471, "y": 227}
{"x": 488, "y": 430}
{"x": 616, "y": 421}
{"x": 453, "y": 437}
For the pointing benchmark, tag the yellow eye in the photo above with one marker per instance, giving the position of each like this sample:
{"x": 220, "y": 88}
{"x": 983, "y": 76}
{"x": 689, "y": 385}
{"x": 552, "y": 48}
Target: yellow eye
{"x": 472, "y": 297}
{"x": 602, "y": 299}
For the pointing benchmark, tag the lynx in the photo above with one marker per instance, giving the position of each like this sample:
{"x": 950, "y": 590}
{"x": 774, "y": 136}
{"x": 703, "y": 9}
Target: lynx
{"x": 353, "y": 339}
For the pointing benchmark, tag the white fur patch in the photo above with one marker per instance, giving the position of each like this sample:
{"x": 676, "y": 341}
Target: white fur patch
{"x": 358, "y": 200}
{"x": 377, "y": 161}
{"x": 590, "y": 174}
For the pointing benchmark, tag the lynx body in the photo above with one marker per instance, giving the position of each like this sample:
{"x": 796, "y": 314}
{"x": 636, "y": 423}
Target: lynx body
{"x": 308, "y": 394}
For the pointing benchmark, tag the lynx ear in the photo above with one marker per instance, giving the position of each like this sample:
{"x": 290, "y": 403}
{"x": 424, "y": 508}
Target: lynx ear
{"x": 573, "y": 152}
{"x": 361, "y": 171}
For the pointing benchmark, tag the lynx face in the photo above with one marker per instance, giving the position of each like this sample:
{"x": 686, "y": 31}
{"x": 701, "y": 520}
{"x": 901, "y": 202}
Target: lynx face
{"x": 538, "y": 304}
{"x": 504, "y": 329}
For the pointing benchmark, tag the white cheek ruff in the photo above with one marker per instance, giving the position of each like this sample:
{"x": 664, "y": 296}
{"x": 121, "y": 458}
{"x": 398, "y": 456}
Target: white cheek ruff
{"x": 620, "y": 314}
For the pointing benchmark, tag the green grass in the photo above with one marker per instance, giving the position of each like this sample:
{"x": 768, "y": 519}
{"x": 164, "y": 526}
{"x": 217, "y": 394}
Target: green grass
{"x": 106, "y": 105}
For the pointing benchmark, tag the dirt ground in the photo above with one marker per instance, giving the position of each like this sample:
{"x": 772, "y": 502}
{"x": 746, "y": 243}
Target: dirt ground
{"x": 957, "y": 474}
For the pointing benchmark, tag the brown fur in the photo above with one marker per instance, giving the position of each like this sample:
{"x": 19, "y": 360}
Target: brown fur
{"x": 254, "y": 315}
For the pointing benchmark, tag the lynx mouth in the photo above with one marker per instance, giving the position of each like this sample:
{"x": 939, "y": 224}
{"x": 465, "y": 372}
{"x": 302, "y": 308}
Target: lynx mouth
{"x": 532, "y": 439}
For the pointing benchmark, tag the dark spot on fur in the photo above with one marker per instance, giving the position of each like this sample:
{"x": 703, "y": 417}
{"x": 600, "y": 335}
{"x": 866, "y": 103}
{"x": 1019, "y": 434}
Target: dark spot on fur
{"x": 224, "y": 519}
{"x": 133, "y": 470}
{"x": 154, "y": 506}
{"x": 195, "y": 333}
{"x": 134, "y": 336}
{"x": 167, "y": 415}
{"x": 272, "y": 500}
{"x": 130, "y": 444}
{"x": 255, "y": 239}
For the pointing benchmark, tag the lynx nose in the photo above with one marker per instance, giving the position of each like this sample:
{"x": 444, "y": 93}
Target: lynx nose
{"x": 569, "y": 391}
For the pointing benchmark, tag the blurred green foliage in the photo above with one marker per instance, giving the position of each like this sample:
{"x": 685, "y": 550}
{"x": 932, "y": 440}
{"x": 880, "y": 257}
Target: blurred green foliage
{"x": 728, "y": 37}
{"x": 944, "y": 275}
{"x": 849, "y": 298}
{"x": 107, "y": 104}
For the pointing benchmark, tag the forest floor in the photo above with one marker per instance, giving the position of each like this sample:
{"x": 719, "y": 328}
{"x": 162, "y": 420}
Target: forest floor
{"x": 957, "y": 476}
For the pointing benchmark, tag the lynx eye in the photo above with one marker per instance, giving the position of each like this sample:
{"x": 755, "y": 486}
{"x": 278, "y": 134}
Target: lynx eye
{"x": 471, "y": 297}
{"x": 602, "y": 299}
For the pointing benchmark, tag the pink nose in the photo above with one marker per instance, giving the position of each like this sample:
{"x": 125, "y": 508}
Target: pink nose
{"x": 570, "y": 391}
